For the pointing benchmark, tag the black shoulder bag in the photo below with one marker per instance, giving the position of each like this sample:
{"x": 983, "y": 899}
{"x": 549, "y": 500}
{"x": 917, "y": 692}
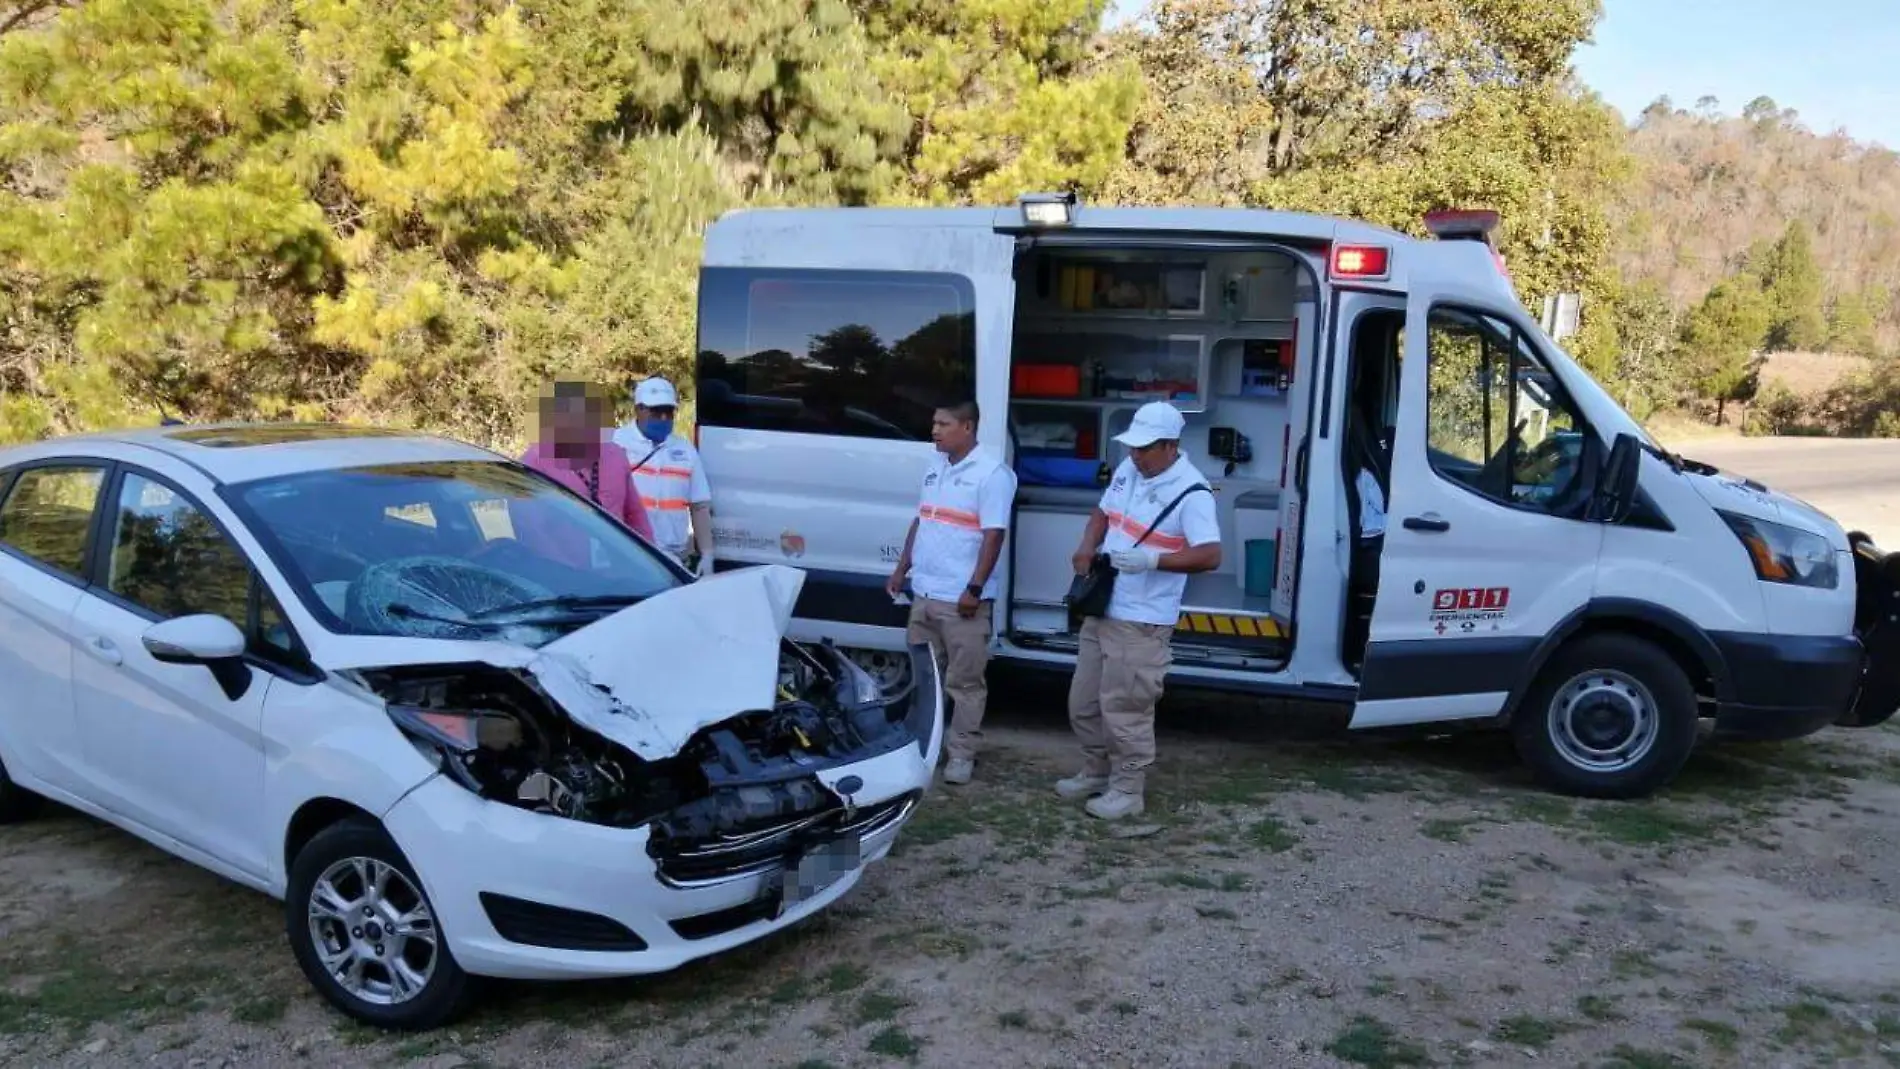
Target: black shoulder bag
{"x": 1089, "y": 593}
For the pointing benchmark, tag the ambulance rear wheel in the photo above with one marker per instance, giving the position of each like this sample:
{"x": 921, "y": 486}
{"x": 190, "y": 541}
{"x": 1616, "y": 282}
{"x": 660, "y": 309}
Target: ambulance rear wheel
{"x": 1611, "y": 716}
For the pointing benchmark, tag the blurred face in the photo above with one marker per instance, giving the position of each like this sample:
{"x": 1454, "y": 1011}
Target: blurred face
{"x": 1152, "y": 460}
{"x": 573, "y": 419}
{"x": 952, "y": 435}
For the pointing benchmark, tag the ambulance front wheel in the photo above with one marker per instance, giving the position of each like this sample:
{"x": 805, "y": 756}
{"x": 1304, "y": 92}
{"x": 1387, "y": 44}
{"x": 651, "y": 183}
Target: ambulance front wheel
{"x": 1611, "y": 716}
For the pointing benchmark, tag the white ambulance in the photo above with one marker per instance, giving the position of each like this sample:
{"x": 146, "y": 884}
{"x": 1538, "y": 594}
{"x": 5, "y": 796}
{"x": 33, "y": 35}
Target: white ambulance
{"x": 1545, "y": 566}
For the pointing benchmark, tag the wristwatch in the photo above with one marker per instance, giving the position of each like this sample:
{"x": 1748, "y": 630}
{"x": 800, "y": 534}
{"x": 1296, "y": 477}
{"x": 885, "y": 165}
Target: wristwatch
{"x": 975, "y": 590}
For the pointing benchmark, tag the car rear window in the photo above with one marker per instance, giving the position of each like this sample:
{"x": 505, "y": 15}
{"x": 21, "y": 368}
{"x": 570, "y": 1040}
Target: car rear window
{"x": 48, "y": 515}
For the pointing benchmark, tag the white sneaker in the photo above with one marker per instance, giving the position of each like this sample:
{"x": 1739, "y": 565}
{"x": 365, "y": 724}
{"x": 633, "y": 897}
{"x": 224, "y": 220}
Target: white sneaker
{"x": 1115, "y": 805}
{"x": 1080, "y": 785}
{"x": 958, "y": 770}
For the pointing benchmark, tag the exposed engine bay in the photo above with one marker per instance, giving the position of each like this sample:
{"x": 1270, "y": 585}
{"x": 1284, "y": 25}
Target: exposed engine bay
{"x": 499, "y": 733}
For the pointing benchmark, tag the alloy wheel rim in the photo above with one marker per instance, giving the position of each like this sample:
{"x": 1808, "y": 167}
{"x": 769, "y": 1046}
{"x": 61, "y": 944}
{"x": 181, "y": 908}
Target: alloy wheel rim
{"x": 373, "y": 931}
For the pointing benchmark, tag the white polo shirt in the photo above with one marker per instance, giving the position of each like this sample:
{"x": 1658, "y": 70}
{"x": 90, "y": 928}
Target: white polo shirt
{"x": 959, "y": 502}
{"x": 670, "y": 482}
{"x": 1131, "y": 504}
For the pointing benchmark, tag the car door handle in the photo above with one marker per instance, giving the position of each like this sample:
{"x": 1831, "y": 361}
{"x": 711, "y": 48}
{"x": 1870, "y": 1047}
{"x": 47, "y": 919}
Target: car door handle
{"x": 102, "y": 648}
{"x": 1426, "y": 522}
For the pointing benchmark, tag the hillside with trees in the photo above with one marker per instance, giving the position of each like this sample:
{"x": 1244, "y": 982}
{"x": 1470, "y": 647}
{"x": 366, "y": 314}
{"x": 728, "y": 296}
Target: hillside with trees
{"x": 415, "y": 211}
{"x": 1767, "y": 242}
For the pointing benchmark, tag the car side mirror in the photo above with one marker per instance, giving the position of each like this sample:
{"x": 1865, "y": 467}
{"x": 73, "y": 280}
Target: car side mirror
{"x": 203, "y": 639}
{"x": 200, "y": 639}
{"x": 1616, "y": 493}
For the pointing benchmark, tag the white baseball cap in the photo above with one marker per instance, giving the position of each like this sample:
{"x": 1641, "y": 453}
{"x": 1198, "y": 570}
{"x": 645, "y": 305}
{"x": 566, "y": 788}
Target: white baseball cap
{"x": 1156, "y": 421}
{"x": 656, "y": 392}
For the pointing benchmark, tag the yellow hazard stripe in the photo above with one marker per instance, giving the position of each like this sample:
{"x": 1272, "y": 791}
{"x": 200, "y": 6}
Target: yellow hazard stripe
{"x": 1206, "y": 623}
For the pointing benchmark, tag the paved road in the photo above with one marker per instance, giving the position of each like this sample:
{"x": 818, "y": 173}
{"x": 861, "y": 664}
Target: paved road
{"x": 1856, "y": 481}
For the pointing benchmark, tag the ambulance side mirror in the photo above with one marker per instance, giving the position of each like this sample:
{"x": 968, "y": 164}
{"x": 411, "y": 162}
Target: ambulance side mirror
{"x": 1616, "y": 492}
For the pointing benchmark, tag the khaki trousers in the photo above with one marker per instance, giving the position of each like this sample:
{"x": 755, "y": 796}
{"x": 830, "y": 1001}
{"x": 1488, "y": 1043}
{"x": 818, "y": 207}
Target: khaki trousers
{"x": 1118, "y": 678}
{"x": 963, "y": 646}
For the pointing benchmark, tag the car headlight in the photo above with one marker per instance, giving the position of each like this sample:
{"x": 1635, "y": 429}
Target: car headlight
{"x": 1783, "y": 554}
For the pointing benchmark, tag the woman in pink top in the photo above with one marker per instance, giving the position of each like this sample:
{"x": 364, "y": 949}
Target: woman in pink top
{"x": 573, "y": 448}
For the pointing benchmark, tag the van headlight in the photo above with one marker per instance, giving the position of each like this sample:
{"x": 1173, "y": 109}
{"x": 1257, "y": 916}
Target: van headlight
{"x": 1783, "y": 554}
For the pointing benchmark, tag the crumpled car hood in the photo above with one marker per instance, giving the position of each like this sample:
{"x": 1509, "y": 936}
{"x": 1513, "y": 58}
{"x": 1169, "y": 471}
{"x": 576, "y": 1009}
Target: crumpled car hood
{"x": 648, "y": 676}
{"x": 653, "y": 674}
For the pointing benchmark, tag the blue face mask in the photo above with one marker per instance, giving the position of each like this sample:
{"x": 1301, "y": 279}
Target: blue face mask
{"x": 656, "y": 430}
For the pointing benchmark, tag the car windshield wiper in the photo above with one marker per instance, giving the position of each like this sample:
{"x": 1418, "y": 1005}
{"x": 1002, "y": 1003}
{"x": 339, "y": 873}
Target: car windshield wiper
{"x": 410, "y": 612}
{"x": 1680, "y": 462}
{"x": 474, "y": 623}
{"x": 569, "y": 602}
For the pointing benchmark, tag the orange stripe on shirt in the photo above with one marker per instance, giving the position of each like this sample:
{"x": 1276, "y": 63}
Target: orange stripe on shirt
{"x": 664, "y": 504}
{"x": 952, "y": 517}
{"x": 1167, "y": 543}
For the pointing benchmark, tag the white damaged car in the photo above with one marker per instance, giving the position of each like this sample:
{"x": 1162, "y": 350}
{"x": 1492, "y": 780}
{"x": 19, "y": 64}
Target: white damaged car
{"x": 462, "y": 722}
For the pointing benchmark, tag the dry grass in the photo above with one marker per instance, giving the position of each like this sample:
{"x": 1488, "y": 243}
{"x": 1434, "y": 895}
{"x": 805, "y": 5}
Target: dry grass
{"x": 1810, "y": 374}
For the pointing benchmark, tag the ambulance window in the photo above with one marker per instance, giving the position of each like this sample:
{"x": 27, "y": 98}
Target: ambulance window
{"x": 1497, "y": 419}
{"x": 862, "y": 354}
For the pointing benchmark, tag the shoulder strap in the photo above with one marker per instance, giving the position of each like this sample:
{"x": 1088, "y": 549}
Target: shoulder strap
{"x": 648, "y": 457}
{"x": 1178, "y": 498}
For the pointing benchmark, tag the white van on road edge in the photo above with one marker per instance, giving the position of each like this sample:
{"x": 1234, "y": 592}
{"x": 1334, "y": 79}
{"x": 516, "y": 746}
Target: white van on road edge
{"x": 1546, "y": 566}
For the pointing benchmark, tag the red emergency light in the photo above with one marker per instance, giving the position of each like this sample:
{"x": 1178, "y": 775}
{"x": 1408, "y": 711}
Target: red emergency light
{"x": 1361, "y": 261}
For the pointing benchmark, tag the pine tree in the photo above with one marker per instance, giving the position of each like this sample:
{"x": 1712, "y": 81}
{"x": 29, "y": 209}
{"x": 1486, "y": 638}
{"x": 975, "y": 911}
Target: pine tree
{"x": 1722, "y": 341}
{"x": 1792, "y": 280}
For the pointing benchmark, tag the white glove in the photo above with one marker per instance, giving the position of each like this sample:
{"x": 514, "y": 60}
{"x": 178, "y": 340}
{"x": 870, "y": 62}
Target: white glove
{"x": 1135, "y": 560}
{"x": 705, "y": 566}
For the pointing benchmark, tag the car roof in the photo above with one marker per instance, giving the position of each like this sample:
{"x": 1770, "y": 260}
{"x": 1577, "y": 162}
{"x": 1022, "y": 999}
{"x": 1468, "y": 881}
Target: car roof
{"x": 242, "y": 452}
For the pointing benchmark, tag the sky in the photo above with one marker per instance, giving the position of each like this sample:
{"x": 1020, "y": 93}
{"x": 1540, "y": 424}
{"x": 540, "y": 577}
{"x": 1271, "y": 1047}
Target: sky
{"x": 1835, "y": 62}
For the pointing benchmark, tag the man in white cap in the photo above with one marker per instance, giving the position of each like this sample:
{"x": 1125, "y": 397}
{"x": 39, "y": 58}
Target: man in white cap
{"x": 1157, "y": 523}
{"x": 668, "y": 474}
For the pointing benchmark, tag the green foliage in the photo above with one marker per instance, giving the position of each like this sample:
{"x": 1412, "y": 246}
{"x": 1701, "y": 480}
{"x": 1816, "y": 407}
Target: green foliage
{"x": 1792, "y": 281}
{"x": 1776, "y": 411}
{"x": 415, "y": 211}
{"x": 1201, "y": 133}
{"x": 1865, "y": 404}
{"x": 1851, "y": 322}
{"x": 412, "y": 211}
{"x": 1722, "y": 341}
{"x": 1001, "y": 96}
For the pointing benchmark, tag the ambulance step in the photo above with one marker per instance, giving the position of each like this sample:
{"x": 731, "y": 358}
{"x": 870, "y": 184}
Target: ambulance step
{"x": 1249, "y": 630}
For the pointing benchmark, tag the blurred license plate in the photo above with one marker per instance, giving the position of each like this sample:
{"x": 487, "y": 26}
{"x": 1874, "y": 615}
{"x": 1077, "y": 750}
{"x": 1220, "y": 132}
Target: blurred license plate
{"x": 818, "y": 867}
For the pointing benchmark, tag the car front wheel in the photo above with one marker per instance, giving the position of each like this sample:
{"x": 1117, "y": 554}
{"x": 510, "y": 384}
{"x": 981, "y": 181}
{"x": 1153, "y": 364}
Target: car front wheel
{"x": 365, "y": 934}
{"x": 1611, "y": 716}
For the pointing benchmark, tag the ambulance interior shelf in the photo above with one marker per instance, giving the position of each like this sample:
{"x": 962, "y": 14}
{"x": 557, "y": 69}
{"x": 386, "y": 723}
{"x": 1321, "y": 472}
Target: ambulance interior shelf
{"x": 1061, "y": 441}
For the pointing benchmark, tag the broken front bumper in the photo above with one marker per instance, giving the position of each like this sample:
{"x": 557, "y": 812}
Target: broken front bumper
{"x": 525, "y": 895}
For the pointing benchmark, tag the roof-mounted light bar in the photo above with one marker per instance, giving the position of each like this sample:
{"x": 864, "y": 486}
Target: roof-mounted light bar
{"x": 1469, "y": 224}
{"x": 1044, "y": 210}
{"x": 1463, "y": 224}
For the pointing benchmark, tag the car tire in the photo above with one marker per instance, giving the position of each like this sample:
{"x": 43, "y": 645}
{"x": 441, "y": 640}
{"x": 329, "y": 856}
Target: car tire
{"x": 1610, "y": 716}
{"x": 16, "y": 802}
{"x": 372, "y": 971}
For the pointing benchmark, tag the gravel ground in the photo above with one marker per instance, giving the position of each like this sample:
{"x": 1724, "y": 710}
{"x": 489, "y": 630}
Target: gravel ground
{"x": 1292, "y": 901}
